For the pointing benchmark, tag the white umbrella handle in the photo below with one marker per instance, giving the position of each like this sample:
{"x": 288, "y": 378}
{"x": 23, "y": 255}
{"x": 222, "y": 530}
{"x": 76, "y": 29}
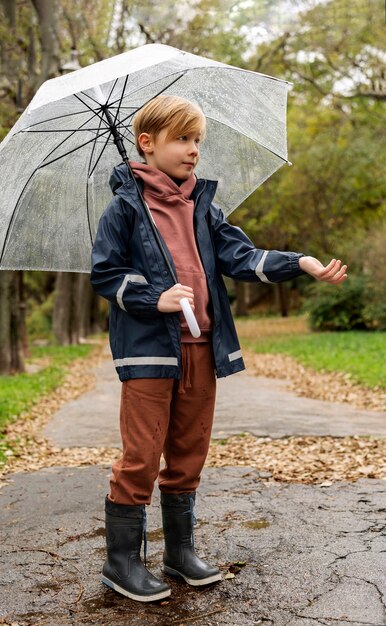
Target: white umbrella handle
{"x": 190, "y": 318}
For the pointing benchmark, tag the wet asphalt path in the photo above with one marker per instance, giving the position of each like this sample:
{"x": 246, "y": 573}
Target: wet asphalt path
{"x": 301, "y": 555}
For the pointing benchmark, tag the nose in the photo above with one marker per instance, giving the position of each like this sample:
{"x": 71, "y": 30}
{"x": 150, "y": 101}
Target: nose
{"x": 193, "y": 148}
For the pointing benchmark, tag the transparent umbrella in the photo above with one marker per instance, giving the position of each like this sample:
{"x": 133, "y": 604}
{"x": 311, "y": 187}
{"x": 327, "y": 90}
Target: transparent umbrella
{"x": 57, "y": 159}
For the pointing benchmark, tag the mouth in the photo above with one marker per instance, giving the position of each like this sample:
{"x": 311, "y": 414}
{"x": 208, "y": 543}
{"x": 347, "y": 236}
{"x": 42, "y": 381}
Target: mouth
{"x": 189, "y": 164}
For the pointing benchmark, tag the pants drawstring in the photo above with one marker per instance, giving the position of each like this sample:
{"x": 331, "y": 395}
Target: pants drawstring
{"x": 185, "y": 371}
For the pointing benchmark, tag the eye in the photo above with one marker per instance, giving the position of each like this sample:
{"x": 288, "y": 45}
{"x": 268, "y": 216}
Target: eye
{"x": 182, "y": 138}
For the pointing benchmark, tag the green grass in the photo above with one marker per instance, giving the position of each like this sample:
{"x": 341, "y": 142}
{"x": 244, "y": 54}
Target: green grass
{"x": 20, "y": 392}
{"x": 359, "y": 353}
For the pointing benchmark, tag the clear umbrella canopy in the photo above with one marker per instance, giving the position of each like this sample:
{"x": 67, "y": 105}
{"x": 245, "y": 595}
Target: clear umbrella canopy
{"x": 57, "y": 159}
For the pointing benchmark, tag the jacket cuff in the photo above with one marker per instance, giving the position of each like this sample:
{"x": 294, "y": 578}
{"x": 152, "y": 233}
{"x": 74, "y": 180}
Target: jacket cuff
{"x": 295, "y": 263}
{"x": 154, "y": 296}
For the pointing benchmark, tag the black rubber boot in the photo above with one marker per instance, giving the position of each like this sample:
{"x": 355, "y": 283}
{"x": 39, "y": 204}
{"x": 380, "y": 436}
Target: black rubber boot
{"x": 180, "y": 558}
{"x": 124, "y": 571}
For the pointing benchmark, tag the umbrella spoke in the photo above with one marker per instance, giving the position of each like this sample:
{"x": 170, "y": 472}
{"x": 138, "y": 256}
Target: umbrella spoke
{"x": 120, "y": 101}
{"x": 122, "y": 122}
{"x": 61, "y": 143}
{"x": 134, "y": 108}
{"x": 73, "y": 149}
{"x": 181, "y": 74}
{"x": 125, "y": 131}
{"x": 51, "y": 119}
{"x": 92, "y": 151}
{"x": 99, "y": 157}
{"x": 88, "y": 176}
{"x": 111, "y": 91}
{"x": 96, "y": 113}
{"x": 90, "y": 97}
{"x": 61, "y": 130}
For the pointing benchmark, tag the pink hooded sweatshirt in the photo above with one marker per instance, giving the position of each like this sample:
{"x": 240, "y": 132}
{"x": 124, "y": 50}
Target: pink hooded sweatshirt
{"x": 172, "y": 210}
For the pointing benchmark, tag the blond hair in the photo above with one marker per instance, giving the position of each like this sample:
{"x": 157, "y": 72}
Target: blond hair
{"x": 180, "y": 116}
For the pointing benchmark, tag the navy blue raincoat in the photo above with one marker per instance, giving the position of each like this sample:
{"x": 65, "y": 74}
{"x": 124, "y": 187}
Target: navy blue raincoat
{"x": 128, "y": 269}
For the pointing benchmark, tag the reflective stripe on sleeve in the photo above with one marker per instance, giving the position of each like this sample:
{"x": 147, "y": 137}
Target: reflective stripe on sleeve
{"x": 260, "y": 267}
{"x": 132, "y": 278}
{"x": 233, "y": 356}
{"x": 146, "y": 360}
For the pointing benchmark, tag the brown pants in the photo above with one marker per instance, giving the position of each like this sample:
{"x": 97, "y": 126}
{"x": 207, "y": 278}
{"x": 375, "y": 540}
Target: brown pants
{"x": 170, "y": 416}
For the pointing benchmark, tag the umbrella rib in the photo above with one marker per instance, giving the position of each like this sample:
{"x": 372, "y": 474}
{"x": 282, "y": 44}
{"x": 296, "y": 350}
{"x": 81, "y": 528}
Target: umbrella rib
{"x": 124, "y": 132}
{"x": 88, "y": 96}
{"x": 61, "y": 130}
{"x": 50, "y": 119}
{"x": 93, "y": 148}
{"x": 61, "y": 143}
{"x": 87, "y": 202}
{"x": 112, "y": 89}
{"x": 124, "y": 107}
{"x": 152, "y": 98}
{"x": 120, "y": 101}
{"x": 181, "y": 74}
{"x": 99, "y": 157}
{"x": 12, "y": 219}
{"x": 96, "y": 101}
{"x": 73, "y": 150}
{"x": 209, "y": 117}
{"x": 96, "y": 113}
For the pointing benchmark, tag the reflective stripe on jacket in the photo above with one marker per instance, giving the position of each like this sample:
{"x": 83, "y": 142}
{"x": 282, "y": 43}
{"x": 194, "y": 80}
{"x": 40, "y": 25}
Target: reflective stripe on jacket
{"x": 128, "y": 269}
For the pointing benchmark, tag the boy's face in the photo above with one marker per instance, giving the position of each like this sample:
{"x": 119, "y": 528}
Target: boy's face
{"x": 175, "y": 157}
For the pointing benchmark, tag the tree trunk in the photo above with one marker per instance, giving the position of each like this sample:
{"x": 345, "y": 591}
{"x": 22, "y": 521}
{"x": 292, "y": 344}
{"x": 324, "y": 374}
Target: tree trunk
{"x": 283, "y": 300}
{"x": 9, "y": 8}
{"x": 47, "y": 15}
{"x": 66, "y": 309}
{"x": 11, "y": 341}
{"x": 241, "y": 298}
{"x": 87, "y": 306}
{"x": 76, "y": 308}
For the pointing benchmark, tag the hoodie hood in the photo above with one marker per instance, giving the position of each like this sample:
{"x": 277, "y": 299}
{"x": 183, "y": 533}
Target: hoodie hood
{"x": 158, "y": 184}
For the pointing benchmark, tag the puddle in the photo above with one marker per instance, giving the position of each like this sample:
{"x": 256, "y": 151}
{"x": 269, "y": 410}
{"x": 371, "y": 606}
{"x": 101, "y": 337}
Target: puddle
{"x": 257, "y": 524}
{"x": 102, "y": 601}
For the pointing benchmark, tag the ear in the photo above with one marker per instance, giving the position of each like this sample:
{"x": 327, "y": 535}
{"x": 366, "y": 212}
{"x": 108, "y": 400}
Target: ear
{"x": 145, "y": 141}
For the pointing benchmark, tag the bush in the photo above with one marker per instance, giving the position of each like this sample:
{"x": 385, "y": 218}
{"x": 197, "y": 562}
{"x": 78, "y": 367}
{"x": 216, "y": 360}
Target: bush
{"x": 359, "y": 302}
{"x": 337, "y": 308}
{"x": 374, "y": 268}
{"x": 39, "y": 319}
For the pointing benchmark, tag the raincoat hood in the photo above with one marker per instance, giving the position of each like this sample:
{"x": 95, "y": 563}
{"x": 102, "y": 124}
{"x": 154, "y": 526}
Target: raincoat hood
{"x": 119, "y": 176}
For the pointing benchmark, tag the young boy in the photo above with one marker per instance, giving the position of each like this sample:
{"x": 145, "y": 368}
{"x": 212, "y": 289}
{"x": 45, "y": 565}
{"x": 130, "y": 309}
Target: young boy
{"x": 168, "y": 390}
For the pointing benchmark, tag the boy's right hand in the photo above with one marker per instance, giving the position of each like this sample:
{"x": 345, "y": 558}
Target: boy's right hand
{"x": 169, "y": 301}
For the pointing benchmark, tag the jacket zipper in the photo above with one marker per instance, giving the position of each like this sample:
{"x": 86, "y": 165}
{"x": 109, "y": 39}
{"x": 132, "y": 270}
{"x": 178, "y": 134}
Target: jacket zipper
{"x": 200, "y": 194}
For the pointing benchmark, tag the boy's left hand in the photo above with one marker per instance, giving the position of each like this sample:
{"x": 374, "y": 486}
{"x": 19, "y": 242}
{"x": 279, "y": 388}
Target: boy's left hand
{"x": 332, "y": 273}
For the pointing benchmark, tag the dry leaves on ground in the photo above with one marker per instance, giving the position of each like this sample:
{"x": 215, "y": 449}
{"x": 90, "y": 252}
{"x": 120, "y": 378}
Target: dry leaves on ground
{"x": 306, "y": 459}
{"x": 28, "y": 450}
{"x": 306, "y": 382}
